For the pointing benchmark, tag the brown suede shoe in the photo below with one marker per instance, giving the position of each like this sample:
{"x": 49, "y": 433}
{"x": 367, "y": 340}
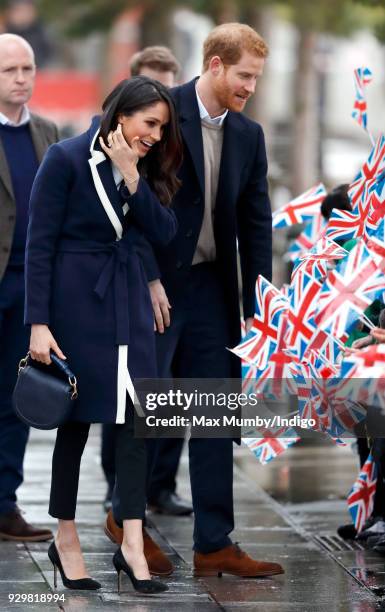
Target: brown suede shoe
{"x": 232, "y": 560}
{"x": 14, "y": 527}
{"x": 158, "y": 563}
{"x": 112, "y": 529}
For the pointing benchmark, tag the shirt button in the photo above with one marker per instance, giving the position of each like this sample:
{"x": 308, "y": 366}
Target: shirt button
{"x": 5, "y": 249}
{"x": 189, "y": 233}
{"x": 179, "y": 264}
{"x": 197, "y": 201}
{"x": 11, "y": 218}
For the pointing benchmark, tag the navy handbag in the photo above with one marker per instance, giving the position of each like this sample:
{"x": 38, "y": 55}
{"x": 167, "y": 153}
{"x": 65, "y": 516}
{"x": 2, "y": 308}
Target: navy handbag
{"x": 44, "y": 395}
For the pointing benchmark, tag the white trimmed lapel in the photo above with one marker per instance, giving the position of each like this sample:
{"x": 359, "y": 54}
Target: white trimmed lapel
{"x": 96, "y": 158}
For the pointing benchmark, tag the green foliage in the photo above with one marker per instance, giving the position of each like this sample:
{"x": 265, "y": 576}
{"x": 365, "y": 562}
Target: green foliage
{"x": 81, "y": 17}
{"x": 375, "y": 3}
{"x": 373, "y": 17}
{"x": 340, "y": 17}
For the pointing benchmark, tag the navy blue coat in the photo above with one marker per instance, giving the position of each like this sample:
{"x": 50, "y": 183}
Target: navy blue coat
{"x": 242, "y": 211}
{"x": 84, "y": 277}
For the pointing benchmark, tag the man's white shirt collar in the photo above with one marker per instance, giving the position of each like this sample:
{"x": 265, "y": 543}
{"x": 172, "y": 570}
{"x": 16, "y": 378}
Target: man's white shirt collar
{"x": 25, "y": 118}
{"x": 205, "y": 115}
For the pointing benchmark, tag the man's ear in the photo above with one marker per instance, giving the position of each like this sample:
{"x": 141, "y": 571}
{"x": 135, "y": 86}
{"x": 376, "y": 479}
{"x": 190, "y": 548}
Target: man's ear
{"x": 216, "y": 65}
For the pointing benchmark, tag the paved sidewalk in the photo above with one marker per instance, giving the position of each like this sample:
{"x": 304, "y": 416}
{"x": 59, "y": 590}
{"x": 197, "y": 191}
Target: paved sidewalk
{"x": 315, "y": 580}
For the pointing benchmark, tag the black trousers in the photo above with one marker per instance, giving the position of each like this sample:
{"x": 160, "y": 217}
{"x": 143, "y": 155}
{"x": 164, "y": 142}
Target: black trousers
{"x": 107, "y": 453}
{"x": 130, "y": 460}
{"x": 163, "y": 476}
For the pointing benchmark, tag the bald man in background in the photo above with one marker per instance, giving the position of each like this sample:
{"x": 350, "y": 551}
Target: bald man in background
{"x": 24, "y": 138}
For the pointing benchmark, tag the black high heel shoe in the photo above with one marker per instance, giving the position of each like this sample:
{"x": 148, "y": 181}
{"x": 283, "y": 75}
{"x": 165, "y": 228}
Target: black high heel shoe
{"x": 148, "y": 587}
{"x": 82, "y": 583}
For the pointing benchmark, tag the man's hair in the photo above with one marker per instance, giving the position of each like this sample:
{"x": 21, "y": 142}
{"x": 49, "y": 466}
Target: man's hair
{"x": 229, "y": 41}
{"x": 157, "y": 58}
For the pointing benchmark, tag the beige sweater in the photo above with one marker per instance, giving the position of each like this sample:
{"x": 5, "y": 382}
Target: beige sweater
{"x": 212, "y": 136}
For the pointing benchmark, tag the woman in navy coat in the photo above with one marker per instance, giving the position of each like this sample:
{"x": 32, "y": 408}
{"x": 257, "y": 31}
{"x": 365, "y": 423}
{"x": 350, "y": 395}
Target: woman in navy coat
{"x": 94, "y": 198}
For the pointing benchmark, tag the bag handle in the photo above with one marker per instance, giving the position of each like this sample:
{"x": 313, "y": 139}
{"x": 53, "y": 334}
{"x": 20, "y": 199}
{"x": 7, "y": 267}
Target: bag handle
{"x": 61, "y": 365}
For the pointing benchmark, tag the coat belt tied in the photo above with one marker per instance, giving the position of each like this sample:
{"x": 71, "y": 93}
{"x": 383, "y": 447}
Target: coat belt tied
{"x": 113, "y": 272}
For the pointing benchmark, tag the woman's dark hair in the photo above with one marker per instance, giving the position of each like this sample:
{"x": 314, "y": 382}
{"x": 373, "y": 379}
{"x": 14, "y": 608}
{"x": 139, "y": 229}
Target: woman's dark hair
{"x": 337, "y": 198}
{"x": 159, "y": 167}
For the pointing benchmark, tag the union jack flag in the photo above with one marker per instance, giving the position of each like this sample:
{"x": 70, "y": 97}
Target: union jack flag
{"x": 374, "y": 166}
{"x": 370, "y": 357}
{"x": 376, "y": 201}
{"x": 345, "y": 416}
{"x": 315, "y": 263}
{"x": 260, "y": 342}
{"x": 276, "y": 379}
{"x": 267, "y": 448}
{"x": 302, "y": 307}
{"x": 324, "y": 343}
{"x": 347, "y": 412}
{"x": 249, "y": 377}
{"x": 307, "y": 238}
{"x": 367, "y": 366}
{"x": 375, "y": 242}
{"x": 376, "y": 388}
{"x": 349, "y": 289}
{"x": 316, "y": 404}
{"x": 325, "y": 369}
{"x": 248, "y": 371}
{"x": 351, "y": 386}
{"x": 300, "y": 209}
{"x": 303, "y": 376}
{"x": 362, "y": 378}
{"x": 345, "y": 225}
{"x": 361, "y": 497}
{"x": 243, "y": 327}
{"x": 317, "y": 386}
{"x": 346, "y": 392}
{"x": 337, "y": 415}
{"x": 362, "y": 76}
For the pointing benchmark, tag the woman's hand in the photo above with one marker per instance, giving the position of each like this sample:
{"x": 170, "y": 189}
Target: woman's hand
{"x": 125, "y": 156}
{"x": 160, "y": 305}
{"x": 41, "y": 343}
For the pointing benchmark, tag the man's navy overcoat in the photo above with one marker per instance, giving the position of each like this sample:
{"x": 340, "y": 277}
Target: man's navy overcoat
{"x": 84, "y": 277}
{"x": 242, "y": 212}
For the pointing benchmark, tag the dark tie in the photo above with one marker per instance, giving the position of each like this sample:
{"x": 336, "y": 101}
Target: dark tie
{"x": 124, "y": 194}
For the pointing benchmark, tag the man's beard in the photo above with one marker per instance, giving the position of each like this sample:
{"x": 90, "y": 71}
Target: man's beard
{"x": 226, "y": 98}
